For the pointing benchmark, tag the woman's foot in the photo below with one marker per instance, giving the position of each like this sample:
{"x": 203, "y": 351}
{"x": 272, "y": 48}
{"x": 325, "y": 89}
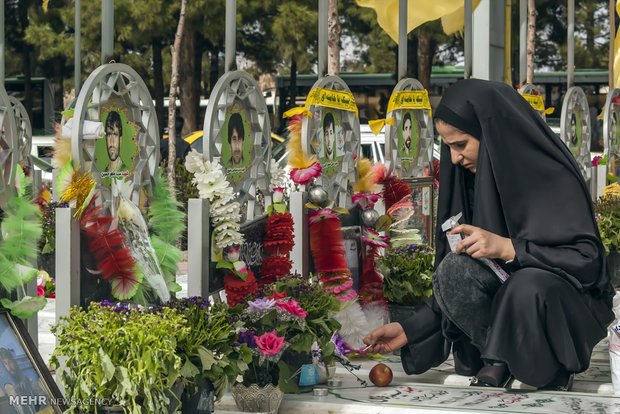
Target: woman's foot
{"x": 562, "y": 382}
{"x": 494, "y": 375}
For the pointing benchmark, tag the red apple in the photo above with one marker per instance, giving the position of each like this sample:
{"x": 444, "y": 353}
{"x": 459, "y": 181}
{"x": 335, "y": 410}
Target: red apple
{"x": 380, "y": 375}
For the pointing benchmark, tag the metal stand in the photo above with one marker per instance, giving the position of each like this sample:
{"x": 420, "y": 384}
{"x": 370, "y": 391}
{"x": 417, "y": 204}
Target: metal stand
{"x": 301, "y": 251}
{"x": 198, "y": 247}
{"x": 67, "y": 261}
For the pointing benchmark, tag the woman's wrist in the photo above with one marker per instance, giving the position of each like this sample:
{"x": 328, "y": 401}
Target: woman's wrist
{"x": 509, "y": 251}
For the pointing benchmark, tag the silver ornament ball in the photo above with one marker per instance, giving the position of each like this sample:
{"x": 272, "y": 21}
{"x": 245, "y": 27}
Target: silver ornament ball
{"x": 369, "y": 217}
{"x": 317, "y": 195}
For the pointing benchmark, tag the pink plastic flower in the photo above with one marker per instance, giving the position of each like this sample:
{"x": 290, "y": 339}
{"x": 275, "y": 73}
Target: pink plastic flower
{"x": 233, "y": 253}
{"x": 595, "y": 160}
{"x": 240, "y": 267}
{"x": 40, "y": 291}
{"x": 305, "y": 175}
{"x": 293, "y": 308}
{"x": 364, "y": 200}
{"x": 269, "y": 343}
{"x": 278, "y": 194}
{"x": 372, "y": 237}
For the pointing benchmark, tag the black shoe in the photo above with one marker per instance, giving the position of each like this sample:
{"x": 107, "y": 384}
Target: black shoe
{"x": 492, "y": 376}
{"x": 562, "y": 382}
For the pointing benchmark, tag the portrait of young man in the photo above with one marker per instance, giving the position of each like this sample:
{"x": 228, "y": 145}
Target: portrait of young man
{"x": 236, "y": 140}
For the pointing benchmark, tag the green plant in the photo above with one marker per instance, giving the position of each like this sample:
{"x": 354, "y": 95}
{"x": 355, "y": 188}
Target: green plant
{"x": 125, "y": 356}
{"x": 607, "y": 214}
{"x": 207, "y": 352}
{"x": 407, "y": 273}
{"x": 47, "y": 242}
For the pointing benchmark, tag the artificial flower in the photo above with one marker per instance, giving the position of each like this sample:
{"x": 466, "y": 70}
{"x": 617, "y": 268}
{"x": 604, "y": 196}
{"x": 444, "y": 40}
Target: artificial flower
{"x": 278, "y": 177}
{"x": 269, "y": 343}
{"x": 293, "y": 308}
{"x": 278, "y": 194}
{"x": 595, "y": 160}
{"x": 372, "y": 237}
{"x": 40, "y": 290}
{"x": 240, "y": 267}
{"x": 232, "y": 254}
{"x": 363, "y": 200}
{"x": 262, "y": 304}
{"x": 306, "y": 175}
{"x": 277, "y": 295}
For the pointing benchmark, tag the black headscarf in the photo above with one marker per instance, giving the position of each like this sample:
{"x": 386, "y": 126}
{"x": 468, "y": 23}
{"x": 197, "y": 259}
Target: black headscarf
{"x": 527, "y": 185}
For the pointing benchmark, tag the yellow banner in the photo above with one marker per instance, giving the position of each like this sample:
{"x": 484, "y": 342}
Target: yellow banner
{"x": 296, "y": 111}
{"x": 409, "y": 100}
{"x": 332, "y": 99}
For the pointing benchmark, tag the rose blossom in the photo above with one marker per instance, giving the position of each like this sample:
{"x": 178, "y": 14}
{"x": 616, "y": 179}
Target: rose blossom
{"x": 278, "y": 194}
{"x": 269, "y": 343}
{"x": 293, "y": 308}
{"x": 277, "y": 295}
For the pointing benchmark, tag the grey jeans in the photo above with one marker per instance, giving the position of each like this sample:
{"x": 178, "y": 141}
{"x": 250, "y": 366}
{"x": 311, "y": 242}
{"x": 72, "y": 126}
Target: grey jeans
{"x": 464, "y": 289}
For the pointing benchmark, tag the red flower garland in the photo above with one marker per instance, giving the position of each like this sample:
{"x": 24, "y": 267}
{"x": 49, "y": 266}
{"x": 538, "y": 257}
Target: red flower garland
{"x": 278, "y": 242}
{"x": 237, "y": 289}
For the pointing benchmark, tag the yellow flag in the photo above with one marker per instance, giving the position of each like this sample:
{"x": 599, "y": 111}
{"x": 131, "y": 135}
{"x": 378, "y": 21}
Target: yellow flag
{"x": 418, "y": 13}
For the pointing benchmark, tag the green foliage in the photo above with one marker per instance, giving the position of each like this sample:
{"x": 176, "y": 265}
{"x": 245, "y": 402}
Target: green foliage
{"x": 207, "y": 351}
{"x": 407, "y": 274}
{"x": 607, "y": 214}
{"x": 166, "y": 219}
{"x": 48, "y": 226}
{"x": 110, "y": 355}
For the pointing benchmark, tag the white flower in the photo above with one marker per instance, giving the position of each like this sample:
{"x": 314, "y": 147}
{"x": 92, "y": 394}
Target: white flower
{"x": 278, "y": 176}
{"x": 125, "y": 210}
{"x": 194, "y": 162}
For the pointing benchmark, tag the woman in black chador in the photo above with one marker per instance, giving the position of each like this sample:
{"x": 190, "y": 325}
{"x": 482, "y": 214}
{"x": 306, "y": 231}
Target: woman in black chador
{"x": 525, "y": 205}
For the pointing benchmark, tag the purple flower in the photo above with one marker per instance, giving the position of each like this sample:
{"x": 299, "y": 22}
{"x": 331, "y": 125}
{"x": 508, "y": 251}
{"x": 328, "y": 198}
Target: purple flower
{"x": 341, "y": 345}
{"x": 262, "y": 304}
{"x": 247, "y": 338}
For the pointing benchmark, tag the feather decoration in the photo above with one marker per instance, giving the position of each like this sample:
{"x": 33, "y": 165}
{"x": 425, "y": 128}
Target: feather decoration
{"x": 326, "y": 242}
{"x": 166, "y": 219}
{"x": 133, "y": 226}
{"x": 376, "y": 314}
{"x": 62, "y": 151}
{"x": 168, "y": 256}
{"x": 107, "y": 244}
{"x": 75, "y": 187}
{"x": 297, "y": 158}
{"x": 366, "y": 182}
{"x": 394, "y": 190}
{"x": 354, "y": 326}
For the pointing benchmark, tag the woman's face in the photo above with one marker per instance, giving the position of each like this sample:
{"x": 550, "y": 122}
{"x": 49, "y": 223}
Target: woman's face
{"x": 463, "y": 147}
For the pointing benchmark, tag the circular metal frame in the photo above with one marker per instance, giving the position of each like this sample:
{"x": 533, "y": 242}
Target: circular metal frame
{"x": 611, "y": 128}
{"x": 8, "y": 147}
{"x": 24, "y": 133}
{"x": 239, "y": 88}
{"x": 338, "y": 185}
{"x": 118, "y": 82}
{"x": 529, "y": 89}
{"x": 409, "y": 167}
{"x": 576, "y": 101}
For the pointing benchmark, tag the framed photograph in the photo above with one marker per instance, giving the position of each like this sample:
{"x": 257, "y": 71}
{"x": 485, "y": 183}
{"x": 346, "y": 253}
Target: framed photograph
{"x": 423, "y": 197}
{"x": 26, "y": 385}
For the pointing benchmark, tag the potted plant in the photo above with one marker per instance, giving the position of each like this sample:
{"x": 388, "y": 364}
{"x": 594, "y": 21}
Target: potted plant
{"x": 269, "y": 325}
{"x": 314, "y": 344}
{"x": 209, "y": 359}
{"x": 124, "y": 357}
{"x": 607, "y": 214}
{"x": 407, "y": 277}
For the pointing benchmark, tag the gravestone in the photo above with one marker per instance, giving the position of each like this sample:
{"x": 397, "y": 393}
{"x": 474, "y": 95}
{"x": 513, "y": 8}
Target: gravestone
{"x": 409, "y": 138}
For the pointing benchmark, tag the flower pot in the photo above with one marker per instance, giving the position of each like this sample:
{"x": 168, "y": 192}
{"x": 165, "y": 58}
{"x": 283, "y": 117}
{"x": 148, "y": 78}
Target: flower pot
{"x": 399, "y": 313}
{"x": 201, "y": 402}
{"x": 255, "y": 399}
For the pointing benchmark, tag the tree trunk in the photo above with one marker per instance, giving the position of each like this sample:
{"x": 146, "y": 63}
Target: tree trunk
{"x": 189, "y": 85}
{"x": 26, "y": 61}
{"x": 158, "y": 83}
{"x": 531, "y": 39}
{"x": 293, "y": 86}
{"x": 333, "y": 39}
{"x": 174, "y": 81}
{"x": 424, "y": 59}
{"x": 58, "y": 65}
{"x": 214, "y": 67}
{"x": 590, "y": 35}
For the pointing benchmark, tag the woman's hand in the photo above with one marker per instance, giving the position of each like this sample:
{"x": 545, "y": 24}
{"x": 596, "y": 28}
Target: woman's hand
{"x": 482, "y": 243}
{"x": 387, "y": 338}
